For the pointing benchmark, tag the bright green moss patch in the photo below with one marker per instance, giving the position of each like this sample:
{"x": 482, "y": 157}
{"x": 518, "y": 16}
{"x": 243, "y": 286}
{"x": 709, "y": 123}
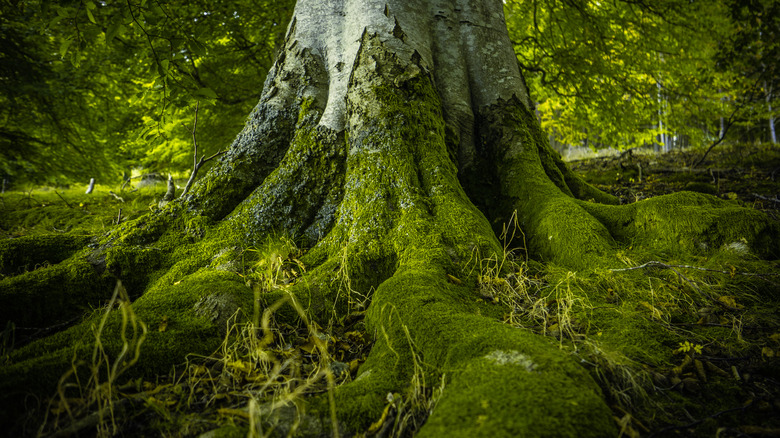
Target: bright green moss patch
{"x": 189, "y": 317}
{"x": 48, "y": 210}
{"x": 484, "y": 405}
{"x": 691, "y": 223}
{"x": 476, "y": 354}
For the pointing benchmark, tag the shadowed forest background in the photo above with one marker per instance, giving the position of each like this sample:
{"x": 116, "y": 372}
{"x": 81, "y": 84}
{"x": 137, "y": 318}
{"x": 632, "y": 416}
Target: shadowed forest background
{"x": 641, "y": 99}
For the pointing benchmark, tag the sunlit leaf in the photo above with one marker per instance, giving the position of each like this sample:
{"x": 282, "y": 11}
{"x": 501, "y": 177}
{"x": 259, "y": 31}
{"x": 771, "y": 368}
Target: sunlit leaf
{"x": 90, "y": 7}
{"x": 64, "y": 47}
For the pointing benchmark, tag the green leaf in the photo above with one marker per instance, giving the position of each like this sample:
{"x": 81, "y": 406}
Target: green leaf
{"x": 64, "y": 47}
{"x": 56, "y": 20}
{"x": 156, "y": 9}
{"x": 89, "y": 12}
{"x": 206, "y": 93}
{"x": 116, "y": 28}
{"x": 181, "y": 102}
{"x": 197, "y": 48}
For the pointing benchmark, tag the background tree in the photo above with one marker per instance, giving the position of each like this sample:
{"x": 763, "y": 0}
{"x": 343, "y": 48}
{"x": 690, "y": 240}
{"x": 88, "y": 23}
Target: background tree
{"x": 93, "y": 88}
{"x": 625, "y": 73}
{"x": 751, "y": 53}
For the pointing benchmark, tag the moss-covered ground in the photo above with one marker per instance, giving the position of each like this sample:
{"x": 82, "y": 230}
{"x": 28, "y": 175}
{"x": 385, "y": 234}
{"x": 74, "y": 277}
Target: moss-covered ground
{"x": 749, "y": 174}
{"x": 681, "y": 346}
{"x": 38, "y": 211}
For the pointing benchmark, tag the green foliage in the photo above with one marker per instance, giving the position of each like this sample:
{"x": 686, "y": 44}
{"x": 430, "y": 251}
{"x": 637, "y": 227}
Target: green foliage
{"x": 752, "y": 52}
{"x": 90, "y": 89}
{"x": 621, "y": 73}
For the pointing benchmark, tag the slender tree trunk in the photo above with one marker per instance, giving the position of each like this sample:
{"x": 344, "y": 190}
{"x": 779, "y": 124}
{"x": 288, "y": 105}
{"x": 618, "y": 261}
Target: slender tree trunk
{"x": 722, "y": 130}
{"x": 661, "y": 134}
{"x": 772, "y": 134}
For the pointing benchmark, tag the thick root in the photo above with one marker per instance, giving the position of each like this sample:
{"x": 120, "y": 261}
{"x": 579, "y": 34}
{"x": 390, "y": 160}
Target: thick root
{"x": 574, "y": 225}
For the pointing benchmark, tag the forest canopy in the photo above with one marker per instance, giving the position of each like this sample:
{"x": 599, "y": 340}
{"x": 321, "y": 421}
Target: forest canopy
{"x": 92, "y": 89}
{"x": 628, "y": 73}
{"x": 97, "y": 88}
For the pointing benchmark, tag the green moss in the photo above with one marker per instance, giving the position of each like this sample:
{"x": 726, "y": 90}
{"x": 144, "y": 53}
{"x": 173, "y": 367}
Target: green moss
{"x": 44, "y": 211}
{"x": 470, "y": 350}
{"x": 181, "y": 318}
{"x": 579, "y": 233}
{"x": 306, "y": 208}
{"x": 228, "y": 431}
{"x": 692, "y": 223}
{"x": 196, "y": 226}
{"x": 54, "y": 294}
{"x": 186, "y": 307}
{"x": 30, "y": 252}
{"x": 701, "y": 187}
{"x": 189, "y": 317}
{"x": 483, "y": 404}
{"x": 630, "y": 331}
{"x": 555, "y": 227}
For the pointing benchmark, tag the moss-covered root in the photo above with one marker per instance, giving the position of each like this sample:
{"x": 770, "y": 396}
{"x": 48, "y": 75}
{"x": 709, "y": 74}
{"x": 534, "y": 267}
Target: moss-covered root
{"x": 499, "y": 381}
{"x": 691, "y": 222}
{"x": 52, "y": 295}
{"x": 179, "y": 316}
{"x": 292, "y": 83}
{"x": 505, "y": 381}
{"x": 32, "y": 252}
{"x": 532, "y": 185}
{"x": 506, "y": 393}
{"x": 132, "y": 253}
{"x": 571, "y": 225}
{"x": 567, "y": 180}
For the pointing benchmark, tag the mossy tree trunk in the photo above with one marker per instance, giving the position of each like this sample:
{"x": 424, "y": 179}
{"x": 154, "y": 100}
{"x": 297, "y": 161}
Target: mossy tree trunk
{"x": 393, "y": 140}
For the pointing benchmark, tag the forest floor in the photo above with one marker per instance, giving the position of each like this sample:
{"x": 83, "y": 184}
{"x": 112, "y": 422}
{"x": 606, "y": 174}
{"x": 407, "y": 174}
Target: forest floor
{"x": 725, "y": 382}
{"x": 748, "y": 174}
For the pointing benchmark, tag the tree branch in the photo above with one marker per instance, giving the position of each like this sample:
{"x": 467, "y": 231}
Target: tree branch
{"x": 196, "y": 164}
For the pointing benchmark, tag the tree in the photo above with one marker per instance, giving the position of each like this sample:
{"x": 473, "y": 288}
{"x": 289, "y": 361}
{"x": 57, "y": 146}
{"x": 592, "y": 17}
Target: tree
{"x": 38, "y": 95}
{"x": 750, "y": 54}
{"x": 91, "y": 89}
{"x": 627, "y": 73}
{"x": 392, "y": 140}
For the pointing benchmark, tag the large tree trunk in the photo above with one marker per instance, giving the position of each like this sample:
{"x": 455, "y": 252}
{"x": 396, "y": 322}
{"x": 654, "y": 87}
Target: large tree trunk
{"x": 393, "y": 140}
